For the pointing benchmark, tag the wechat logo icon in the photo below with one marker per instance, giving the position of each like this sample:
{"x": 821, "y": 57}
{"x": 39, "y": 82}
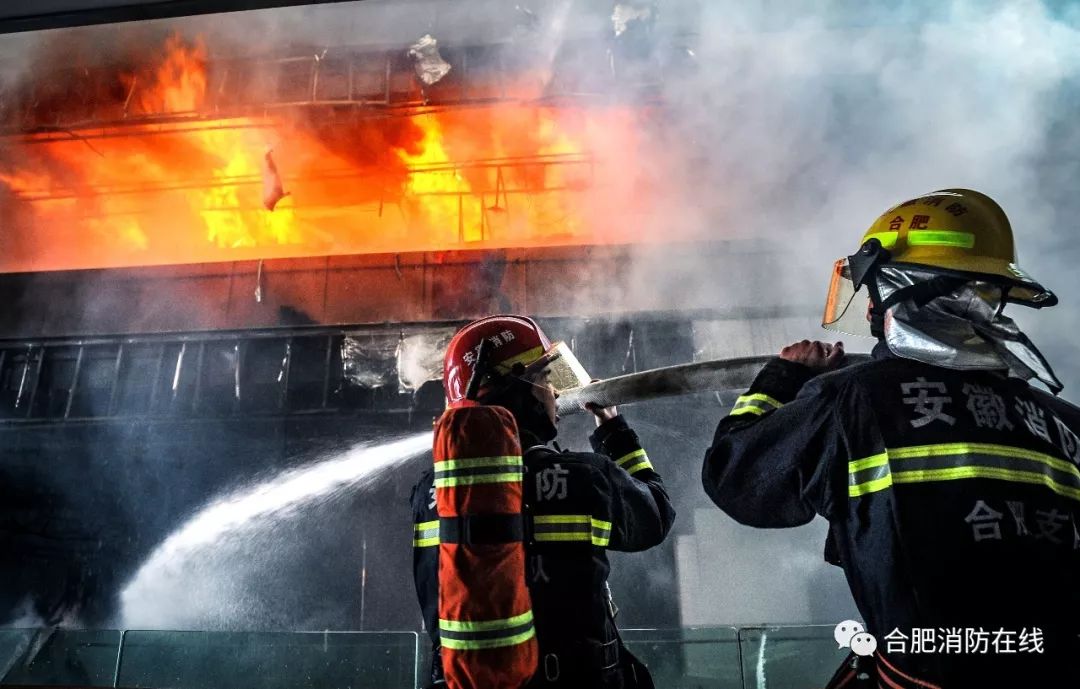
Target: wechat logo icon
{"x": 853, "y": 635}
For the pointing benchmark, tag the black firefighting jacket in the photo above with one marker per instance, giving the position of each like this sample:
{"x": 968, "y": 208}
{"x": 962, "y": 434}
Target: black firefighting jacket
{"x": 578, "y": 505}
{"x": 953, "y": 501}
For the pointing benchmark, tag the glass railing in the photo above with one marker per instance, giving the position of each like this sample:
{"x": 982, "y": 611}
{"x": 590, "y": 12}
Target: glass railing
{"x": 688, "y": 658}
{"x": 796, "y": 657}
{"x": 59, "y": 657}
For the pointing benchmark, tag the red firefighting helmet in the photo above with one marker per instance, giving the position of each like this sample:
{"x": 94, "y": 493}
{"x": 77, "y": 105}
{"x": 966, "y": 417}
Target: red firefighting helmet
{"x": 512, "y": 340}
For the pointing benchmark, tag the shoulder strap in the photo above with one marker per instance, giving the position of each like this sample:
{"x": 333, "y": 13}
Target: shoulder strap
{"x": 538, "y": 450}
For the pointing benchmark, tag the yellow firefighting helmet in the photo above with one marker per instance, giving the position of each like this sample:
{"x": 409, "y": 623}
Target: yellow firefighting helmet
{"x": 952, "y": 232}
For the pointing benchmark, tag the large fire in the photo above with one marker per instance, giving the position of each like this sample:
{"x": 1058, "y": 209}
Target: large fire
{"x": 168, "y": 183}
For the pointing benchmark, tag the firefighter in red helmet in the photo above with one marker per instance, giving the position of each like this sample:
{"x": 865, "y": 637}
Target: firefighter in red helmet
{"x": 574, "y": 507}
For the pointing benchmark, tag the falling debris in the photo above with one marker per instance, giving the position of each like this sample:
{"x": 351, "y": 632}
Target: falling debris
{"x": 430, "y": 67}
{"x": 627, "y": 13}
{"x": 273, "y": 189}
{"x": 258, "y": 282}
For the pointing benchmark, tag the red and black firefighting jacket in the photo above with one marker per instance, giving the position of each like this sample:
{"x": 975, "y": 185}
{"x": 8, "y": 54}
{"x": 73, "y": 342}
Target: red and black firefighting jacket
{"x": 578, "y": 506}
{"x": 953, "y": 501}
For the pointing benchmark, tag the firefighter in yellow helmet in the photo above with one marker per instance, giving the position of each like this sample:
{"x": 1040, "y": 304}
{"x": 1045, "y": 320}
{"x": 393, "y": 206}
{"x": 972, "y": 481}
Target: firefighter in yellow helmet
{"x": 950, "y": 484}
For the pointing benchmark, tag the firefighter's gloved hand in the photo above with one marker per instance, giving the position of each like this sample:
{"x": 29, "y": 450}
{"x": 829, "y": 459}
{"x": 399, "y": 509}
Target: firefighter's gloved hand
{"x": 601, "y": 414}
{"x": 818, "y": 356}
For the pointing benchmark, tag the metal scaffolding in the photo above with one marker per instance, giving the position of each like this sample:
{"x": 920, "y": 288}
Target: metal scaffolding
{"x": 382, "y": 368}
{"x": 199, "y": 375}
{"x": 77, "y": 101}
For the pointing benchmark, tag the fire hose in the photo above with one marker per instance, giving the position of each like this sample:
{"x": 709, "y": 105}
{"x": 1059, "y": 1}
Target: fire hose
{"x": 720, "y": 375}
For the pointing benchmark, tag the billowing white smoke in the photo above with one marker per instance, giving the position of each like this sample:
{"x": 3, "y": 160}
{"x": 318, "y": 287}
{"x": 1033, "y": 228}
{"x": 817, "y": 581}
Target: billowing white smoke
{"x": 807, "y": 120}
{"x": 801, "y": 125}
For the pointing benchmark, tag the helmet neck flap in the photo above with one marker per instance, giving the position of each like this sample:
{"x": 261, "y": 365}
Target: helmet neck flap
{"x": 951, "y": 322}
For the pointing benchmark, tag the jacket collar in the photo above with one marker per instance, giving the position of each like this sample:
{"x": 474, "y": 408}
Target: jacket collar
{"x": 881, "y": 351}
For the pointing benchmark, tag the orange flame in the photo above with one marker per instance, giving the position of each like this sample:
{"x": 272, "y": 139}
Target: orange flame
{"x": 171, "y": 186}
{"x": 179, "y": 81}
{"x": 439, "y": 185}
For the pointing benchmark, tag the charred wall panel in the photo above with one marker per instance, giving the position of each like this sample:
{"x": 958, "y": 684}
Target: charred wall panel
{"x": 270, "y": 293}
{"x": 373, "y": 289}
{"x": 556, "y": 281}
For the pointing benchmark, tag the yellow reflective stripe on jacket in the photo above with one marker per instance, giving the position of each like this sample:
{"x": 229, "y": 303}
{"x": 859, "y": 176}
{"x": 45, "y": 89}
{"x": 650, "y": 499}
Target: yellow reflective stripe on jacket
{"x": 478, "y": 470}
{"x": 484, "y": 625}
{"x": 476, "y": 480}
{"x": 450, "y": 642}
{"x": 954, "y": 461}
{"x": 480, "y": 634}
{"x": 475, "y": 462}
{"x": 601, "y": 533}
{"x": 757, "y": 404}
{"x": 581, "y": 528}
{"x": 546, "y": 527}
{"x": 634, "y": 461}
{"x": 426, "y": 534}
{"x": 562, "y": 527}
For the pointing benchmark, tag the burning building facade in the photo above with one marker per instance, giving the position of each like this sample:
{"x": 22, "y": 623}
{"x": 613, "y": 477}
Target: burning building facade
{"x": 171, "y": 149}
{"x": 229, "y": 257}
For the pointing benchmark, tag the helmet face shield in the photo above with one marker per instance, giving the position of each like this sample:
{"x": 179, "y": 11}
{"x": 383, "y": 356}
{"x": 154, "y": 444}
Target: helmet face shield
{"x": 560, "y": 368}
{"x": 846, "y": 309}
